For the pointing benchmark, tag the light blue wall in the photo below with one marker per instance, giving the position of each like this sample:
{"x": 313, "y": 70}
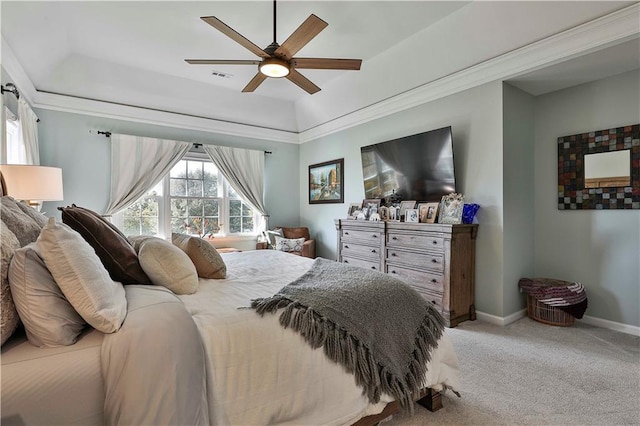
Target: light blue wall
{"x": 518, "y": 124}
{"x": 601, "y": 249}
{"x": 85, "y": 159}
{"x": 476, "y": 119}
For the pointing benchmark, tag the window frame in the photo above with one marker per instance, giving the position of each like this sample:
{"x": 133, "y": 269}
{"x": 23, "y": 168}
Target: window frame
{"x": 164, "y": 205}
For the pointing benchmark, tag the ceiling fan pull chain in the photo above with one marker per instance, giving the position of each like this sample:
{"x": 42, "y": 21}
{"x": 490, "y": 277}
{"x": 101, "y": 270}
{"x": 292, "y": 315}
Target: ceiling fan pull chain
{"x": 274, "y": 21}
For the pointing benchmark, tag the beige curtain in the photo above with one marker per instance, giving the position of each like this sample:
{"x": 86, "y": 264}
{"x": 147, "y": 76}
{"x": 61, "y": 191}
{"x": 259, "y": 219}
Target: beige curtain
{"x": 137, "y": 165}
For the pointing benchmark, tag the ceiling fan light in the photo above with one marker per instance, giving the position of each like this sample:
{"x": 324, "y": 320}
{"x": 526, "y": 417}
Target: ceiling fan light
{"x": 274, "y": 67}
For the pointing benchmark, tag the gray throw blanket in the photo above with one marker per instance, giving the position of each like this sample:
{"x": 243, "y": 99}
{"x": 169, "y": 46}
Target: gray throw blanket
{"x": 377, "y": 327}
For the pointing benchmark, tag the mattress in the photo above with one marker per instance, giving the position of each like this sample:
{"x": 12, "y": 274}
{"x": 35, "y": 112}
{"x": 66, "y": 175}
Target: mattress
{"x": 261, "y": 373}
{"x": 65, "y": 383}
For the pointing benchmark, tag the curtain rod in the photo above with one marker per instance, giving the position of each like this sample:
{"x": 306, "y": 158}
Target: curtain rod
{"x": 195, "y": 144}
{"x": 11, "y": 88}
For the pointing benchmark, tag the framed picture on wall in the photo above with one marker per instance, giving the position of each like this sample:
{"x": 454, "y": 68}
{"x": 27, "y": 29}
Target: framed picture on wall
{"x": 326, "y": 182}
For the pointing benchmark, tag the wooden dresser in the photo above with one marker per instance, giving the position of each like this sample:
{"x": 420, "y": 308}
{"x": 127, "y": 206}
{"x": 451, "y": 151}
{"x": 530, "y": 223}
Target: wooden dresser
{"x": 437, "y": 260}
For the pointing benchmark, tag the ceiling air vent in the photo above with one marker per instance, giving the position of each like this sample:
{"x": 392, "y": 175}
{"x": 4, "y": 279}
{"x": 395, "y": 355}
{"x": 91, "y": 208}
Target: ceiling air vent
{"x": 221, "y": 74}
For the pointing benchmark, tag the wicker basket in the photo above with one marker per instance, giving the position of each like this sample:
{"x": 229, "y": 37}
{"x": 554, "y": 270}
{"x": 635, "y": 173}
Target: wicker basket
{"x": 548, "y": 314}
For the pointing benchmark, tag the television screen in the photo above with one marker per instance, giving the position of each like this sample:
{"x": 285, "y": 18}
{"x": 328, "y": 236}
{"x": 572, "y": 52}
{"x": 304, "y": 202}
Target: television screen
{"x": 417, "y": 167}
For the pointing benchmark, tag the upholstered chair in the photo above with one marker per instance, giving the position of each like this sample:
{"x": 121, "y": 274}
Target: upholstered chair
{"x": 308, "y": 248}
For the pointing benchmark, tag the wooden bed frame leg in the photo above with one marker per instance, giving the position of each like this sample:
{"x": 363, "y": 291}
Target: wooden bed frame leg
{"x": 432, "y": 401}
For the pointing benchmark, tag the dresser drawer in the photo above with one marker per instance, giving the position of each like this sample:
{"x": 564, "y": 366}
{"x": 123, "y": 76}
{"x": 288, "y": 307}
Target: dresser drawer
{"x": 433, "y": 297}
{"x": 425, "y": 280}
{"x": 374, "y": 266}
{"x": 350, "y": 249}
{"x": 423, "y": 241}
{"x": 359, "y": 235}
{"x": 427, "y": 261}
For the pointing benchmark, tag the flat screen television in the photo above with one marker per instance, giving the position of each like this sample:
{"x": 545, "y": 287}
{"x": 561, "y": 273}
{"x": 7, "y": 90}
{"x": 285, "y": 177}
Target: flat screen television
{"x": 417, "y": 167}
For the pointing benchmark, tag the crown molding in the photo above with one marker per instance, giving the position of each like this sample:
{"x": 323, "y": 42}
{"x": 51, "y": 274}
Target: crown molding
{"x": 617, "y": 27}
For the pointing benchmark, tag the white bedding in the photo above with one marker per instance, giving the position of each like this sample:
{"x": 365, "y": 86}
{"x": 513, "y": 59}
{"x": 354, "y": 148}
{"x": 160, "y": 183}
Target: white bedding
{"x": 260, "y": 373}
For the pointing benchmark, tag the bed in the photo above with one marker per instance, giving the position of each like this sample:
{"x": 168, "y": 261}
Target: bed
{"x": 203, "y": 358}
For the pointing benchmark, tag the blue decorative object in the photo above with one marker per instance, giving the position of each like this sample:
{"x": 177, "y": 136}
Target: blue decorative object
{"x": 469, "y": 212}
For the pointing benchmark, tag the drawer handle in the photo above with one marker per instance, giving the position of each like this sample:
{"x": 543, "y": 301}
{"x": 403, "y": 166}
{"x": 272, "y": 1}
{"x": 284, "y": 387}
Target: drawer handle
{"x": 346, "y": 233}
{"x": 345, "y": 261}
{"x": 374, "y": 236}
{"x": 346, "y": 246}
{"x": 393, "y": 254}
{"x": 433, "y": 301}
{"x": 435, "y": 242}
{"x": 434, "y": 261}
{"x": 373, "y": 267}
{"x": 433, "y": 280}
{"x": 394, "y": 238}
{"x": 394, "y": 272}
{"x": 373, "y": 251}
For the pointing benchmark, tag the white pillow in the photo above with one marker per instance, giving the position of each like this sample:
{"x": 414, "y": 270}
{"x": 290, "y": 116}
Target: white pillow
{"x": 287, "y": 244}
{"x": 48, "y": 317}
{"x": 83, "y": 279}
{"x": 168, "y": 266}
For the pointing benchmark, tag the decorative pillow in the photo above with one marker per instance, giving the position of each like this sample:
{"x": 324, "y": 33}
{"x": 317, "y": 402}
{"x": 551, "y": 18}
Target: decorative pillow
{"x": 137, "y": 240}
{"x": 22, "y": 226}
{"x": 204, "y": 256}
{"x": 287, "y": 244}
{"x": 168, "y": 266}
{"x": 271, "y": 236}
{"x": 9, "y": 316}
{"x": 113, "y": 249}
{"x": 34, "y": 214}
{"x": 47, "y": 316}
{"x": 83, "y": 279}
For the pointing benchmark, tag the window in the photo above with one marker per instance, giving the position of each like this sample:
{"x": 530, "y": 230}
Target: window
{"x": 15, "y": 150}
{"x": 198, "y": 202}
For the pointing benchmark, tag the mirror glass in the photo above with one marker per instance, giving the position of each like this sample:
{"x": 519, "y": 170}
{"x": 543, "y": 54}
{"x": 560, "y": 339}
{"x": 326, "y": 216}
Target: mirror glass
{"x": 607, "y": 169}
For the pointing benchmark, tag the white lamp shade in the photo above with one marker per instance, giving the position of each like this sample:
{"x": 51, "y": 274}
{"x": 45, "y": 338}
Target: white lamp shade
{"x": 33, "y": 183}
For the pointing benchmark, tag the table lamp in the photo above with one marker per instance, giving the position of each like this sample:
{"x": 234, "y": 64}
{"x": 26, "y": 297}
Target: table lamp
{"x": 33, "y": 184}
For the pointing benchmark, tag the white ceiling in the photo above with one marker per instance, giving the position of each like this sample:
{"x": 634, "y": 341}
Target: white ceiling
{"x": 133, "y": 53}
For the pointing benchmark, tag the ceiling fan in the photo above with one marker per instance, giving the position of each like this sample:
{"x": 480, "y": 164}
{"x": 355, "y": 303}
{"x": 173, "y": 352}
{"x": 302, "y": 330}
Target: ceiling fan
{"x": 277, "y": 60}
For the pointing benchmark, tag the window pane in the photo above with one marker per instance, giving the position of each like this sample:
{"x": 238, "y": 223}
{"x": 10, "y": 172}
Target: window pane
{"x": 178, "y": 225}
{"x": 247, "y": 224}
{"x": 178, "y": 187}
{"x": 132, "y": 210}
{"x": 178, "y": 208}
{"x": 148, "y": 207}
{"x": 131, "y": 226}
{"x": 194, "y": 169}
{"x": 231, "y": 193}
{"x": 195, "y": 208}
{"x": 235, "y": 208}
{"x": 149, "y": 226}
{"x": 210, "y": 207}
{"x": 246, "y": 210}
{"x": 211, "y": 186}
{"x": 179, "y": 170}
{"x": 235, "y": 225}
{"x": 195, "y": 188}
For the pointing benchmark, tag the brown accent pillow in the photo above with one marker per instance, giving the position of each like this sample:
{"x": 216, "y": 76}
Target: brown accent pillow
{"x": 114, "y": 250}
{"x": 204, "y": 256}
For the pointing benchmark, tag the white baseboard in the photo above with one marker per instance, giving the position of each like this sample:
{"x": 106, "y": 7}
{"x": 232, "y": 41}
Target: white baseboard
{"x": 611, "y": 325}
{"x": 493, "y": 319}
{"x": 598, "y": 322}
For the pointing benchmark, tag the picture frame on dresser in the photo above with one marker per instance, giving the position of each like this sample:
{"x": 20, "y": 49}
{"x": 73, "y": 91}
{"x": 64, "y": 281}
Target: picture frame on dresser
{"x": 411, "y": 215}
{"x": 428, "y": 212}
{"x": 326, "y": 182}
{"x": 404, "y": 205}
{"x": 451, "y": 209}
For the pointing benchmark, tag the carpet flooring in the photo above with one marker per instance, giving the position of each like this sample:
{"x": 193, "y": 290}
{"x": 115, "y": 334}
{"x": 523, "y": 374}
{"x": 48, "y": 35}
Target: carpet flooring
{"x": 529, "y": 373}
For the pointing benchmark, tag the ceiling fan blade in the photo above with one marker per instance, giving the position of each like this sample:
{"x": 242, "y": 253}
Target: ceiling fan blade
{"x": 220, "y": 62}
{"x": 255, "y": 82}
{"x": 326, "y": 64}
{"x": 302, "y": 82}
{"x": 310, "y": 28}
{"x": 234, "y": 35}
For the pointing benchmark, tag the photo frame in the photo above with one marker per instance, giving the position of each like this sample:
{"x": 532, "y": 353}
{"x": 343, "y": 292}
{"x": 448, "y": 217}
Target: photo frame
{"x": 428, "y": 212}
{"x": 326, "y": 182}
{"x": 374, "y": 201}
{"x": 353, "y": 207}
{"x": 411, "y": 215}
{"x": 404, "y": 205}
{"x": 451, "y": 209}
